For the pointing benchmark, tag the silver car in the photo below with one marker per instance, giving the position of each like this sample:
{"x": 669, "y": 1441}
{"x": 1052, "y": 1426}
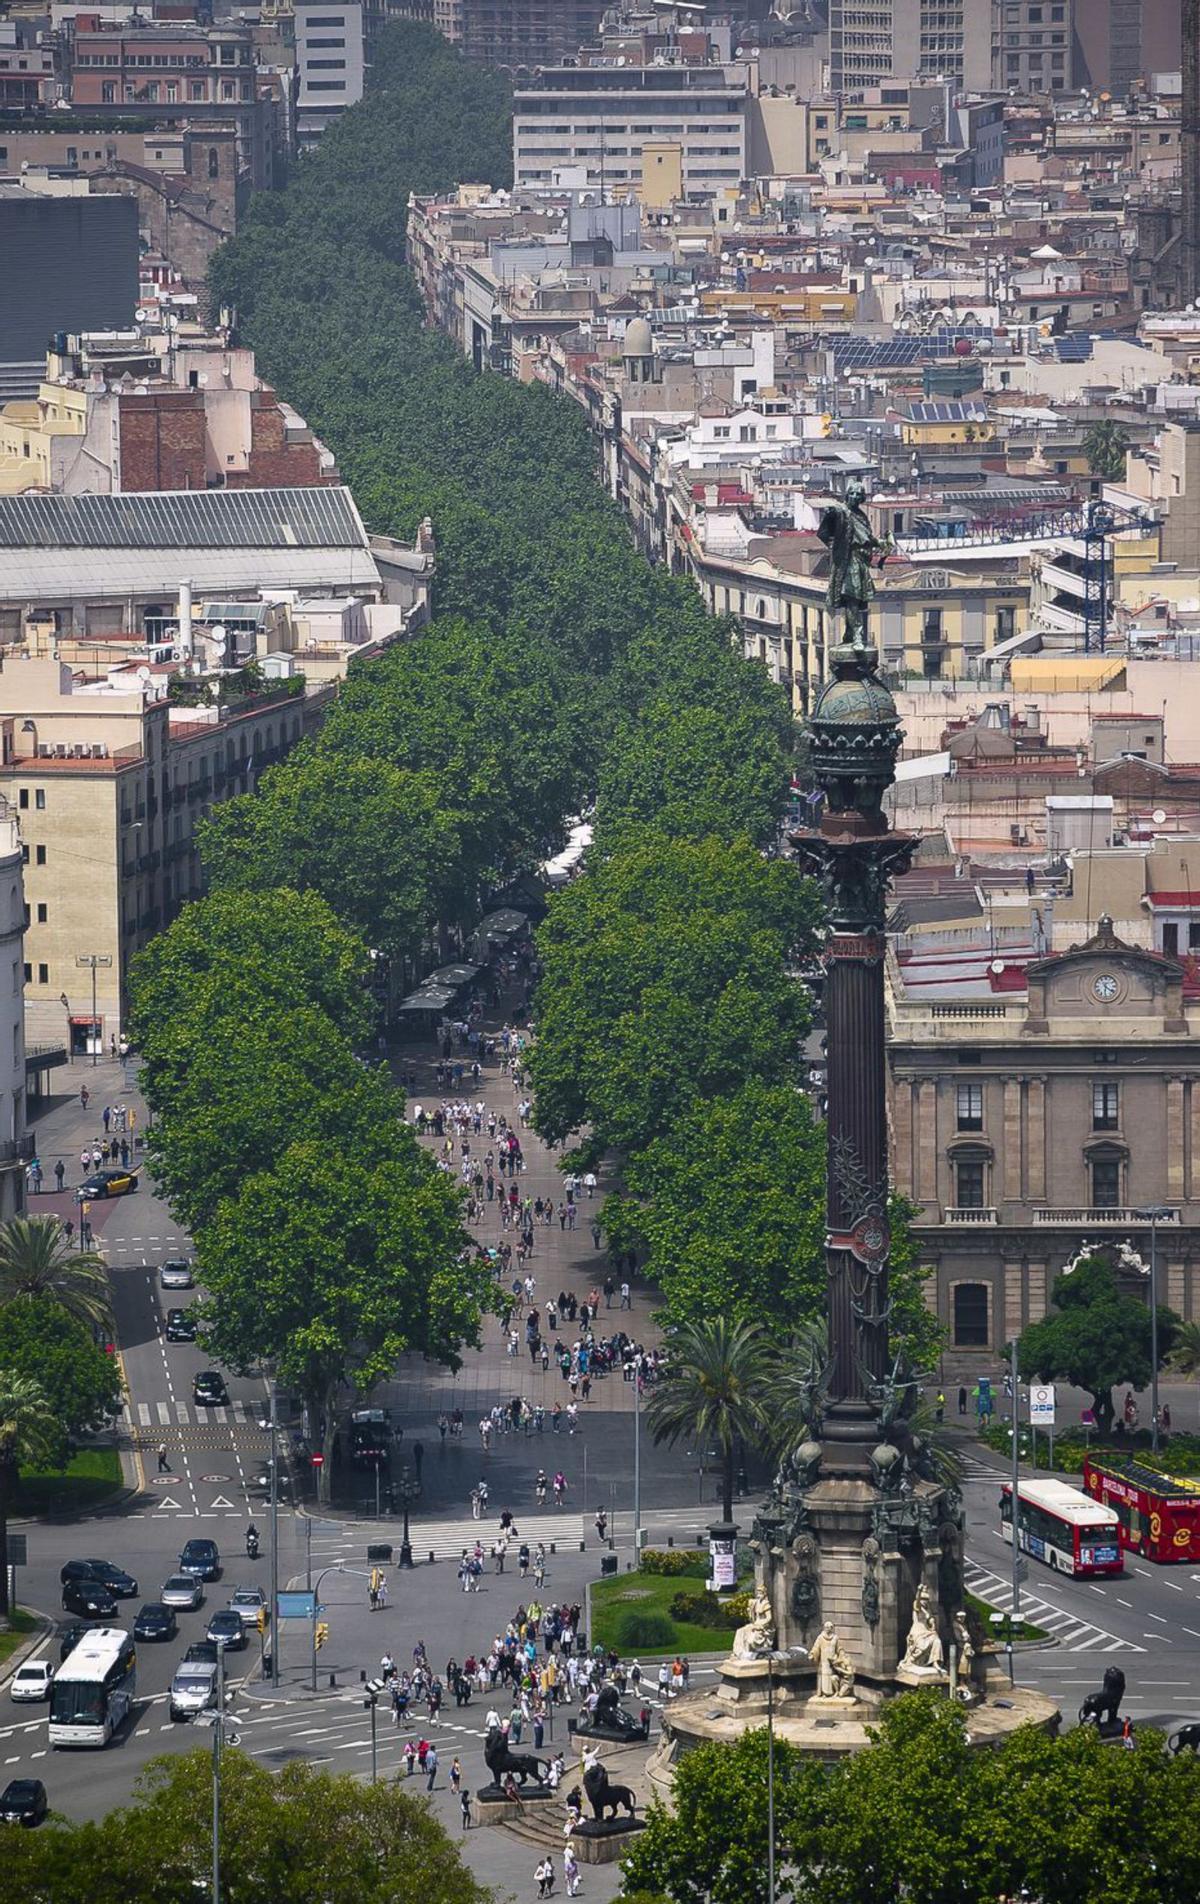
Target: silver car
{"x": 176, "y": 1274}
{"x": 249, "y": 1603}
{"x": 183, "y": 1592}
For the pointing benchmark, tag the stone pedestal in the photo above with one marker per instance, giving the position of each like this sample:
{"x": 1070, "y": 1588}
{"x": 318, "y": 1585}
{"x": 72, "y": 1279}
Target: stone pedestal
{"x": 606, "y": 1843}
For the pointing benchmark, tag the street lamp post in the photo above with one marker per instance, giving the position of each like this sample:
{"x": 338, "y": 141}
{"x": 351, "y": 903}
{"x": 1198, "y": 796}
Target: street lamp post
{"x": 408, "y": 1490}
{"x": 371, "y": 1694}
{"x": 637, "y": 1459}
{"x": 338, "y": 1567}
{"x": 274, "y": 1534}
{"x": 94, "y": 959}
{"x": 1154, "y": 1214}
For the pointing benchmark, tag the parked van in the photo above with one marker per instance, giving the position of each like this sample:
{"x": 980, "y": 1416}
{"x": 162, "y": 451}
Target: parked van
{"x": 193, "y": 1689}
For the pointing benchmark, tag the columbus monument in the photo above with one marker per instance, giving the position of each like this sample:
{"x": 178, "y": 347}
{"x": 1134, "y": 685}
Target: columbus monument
{"x": 858, "y": 1547}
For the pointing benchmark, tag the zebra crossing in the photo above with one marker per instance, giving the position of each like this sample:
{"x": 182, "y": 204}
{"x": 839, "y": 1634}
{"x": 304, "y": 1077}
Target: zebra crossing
{"x": 1072, "y": 1633}
{"x": 186, "y": 1415}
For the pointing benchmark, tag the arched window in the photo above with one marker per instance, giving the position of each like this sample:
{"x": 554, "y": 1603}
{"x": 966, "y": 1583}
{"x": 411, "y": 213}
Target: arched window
{"x": 971, "y": 1315}
{"x": 214, "y": 162}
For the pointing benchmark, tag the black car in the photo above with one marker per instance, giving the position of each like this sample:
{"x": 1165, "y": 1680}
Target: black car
{"x": 114, "y": 1578}
{"x": 201, "y": 1559}
{"x": 203, "y": 1652}
{"x": 23, "y": 1802}
{"x": 91, "y": 1598}
{"x": 69, "y": 1639}
{"x": 209, "y": 1390}
{"x": 226, "y": 1629}
{"x": 155, "y": 1622}
{"x": 180, "y": 1326}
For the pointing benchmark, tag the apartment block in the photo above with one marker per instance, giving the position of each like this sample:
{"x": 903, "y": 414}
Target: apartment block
{"x": 592, "y": 124}
{"x": 875, "y": 40}
{"x": 1032, "y": 45}
{"x": 329, "y": 65}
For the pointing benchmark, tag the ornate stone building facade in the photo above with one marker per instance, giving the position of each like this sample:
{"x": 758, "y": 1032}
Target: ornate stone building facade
{"x": 1031, "y": 1122}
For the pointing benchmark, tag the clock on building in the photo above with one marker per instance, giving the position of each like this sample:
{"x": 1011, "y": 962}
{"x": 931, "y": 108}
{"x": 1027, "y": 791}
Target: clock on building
{"x": 1105, "y": 988}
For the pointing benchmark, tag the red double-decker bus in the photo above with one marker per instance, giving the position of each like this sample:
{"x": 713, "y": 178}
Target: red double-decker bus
{"x": 1158, "y": 1514}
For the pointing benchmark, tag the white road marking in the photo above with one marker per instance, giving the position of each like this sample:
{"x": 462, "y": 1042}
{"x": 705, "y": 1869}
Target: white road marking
{"x": 164, "y": 1414}
{"x": 144, "y": 1414}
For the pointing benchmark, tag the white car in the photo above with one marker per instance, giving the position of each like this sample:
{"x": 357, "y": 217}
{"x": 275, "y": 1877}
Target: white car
{"x": 31, "y": 1681}
{"x": 176, "y": 1274}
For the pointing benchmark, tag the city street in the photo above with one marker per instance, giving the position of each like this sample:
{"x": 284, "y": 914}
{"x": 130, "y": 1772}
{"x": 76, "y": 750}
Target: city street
{"x": 1148, "y": 1621}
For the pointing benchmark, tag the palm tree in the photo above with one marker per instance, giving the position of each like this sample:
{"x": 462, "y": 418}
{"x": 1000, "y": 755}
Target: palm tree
{"x": 1105, "y": 445}
{"x": 716, "y": 1388}
{"x": 1185, "y": 1351}
{"x": 36, "y": 1260}
{"x": 29, "y": 1431}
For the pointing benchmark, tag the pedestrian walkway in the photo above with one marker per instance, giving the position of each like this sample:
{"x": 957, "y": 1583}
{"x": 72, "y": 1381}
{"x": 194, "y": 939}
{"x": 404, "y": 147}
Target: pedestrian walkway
{"x": 1072, "y": 1633}
{"x": 445, "y": 1539}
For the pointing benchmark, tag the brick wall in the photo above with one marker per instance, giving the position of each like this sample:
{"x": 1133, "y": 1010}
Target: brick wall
{"x": 162, "y": 441}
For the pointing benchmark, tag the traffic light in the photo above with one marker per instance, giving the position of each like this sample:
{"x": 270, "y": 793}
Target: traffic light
{"x": 321, "y": 1635}
{"x": 263, "y": 1618}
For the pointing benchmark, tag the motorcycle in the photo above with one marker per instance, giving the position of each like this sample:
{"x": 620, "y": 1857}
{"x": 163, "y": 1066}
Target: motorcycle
{"x": 252, "y": 1543}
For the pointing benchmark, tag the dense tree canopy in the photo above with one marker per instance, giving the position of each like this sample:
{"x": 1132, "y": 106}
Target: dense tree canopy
{"x": 923, "y": 1814}
{"x": 665, "y": 981}
{"x": 1095, "y": 1336}
{"x": 299, "y": 1836}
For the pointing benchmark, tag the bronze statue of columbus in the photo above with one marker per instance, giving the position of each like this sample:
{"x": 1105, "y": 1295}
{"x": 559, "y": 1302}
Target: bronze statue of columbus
{"x": 852, "y": 545}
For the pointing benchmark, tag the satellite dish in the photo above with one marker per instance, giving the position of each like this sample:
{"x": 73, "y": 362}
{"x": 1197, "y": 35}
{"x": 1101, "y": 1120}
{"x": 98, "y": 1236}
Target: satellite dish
{"x": 143, "y": 675}
{"x": 997, "y": 966}
{"x": 218, "y": 632}
{"x": 1158, "y": 816}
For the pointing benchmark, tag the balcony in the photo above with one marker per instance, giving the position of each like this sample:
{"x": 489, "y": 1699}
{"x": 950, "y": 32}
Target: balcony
{"x": 1092, "y": 1216}
{"x": 17, "y": 1150}
{"x": 971, "y": 1215}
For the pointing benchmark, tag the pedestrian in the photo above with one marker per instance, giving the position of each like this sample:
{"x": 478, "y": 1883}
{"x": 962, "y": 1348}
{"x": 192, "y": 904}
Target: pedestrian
{"x": 571, "y": 1872}
{"x": 418, "y": 1455}
{"x": 1166, "y": 1418}
{"x": 940, "y": 1406}
{"x": 626, "y": 1296}
{"x": 539, "y": 1873}
{"x": 962, "y": 1401}
{"x": 84, "y": 1095}
{"x": 164, "y": 1466}
{"x": 381, "y": 1592}
{"x": 464, "y": 1800}
{"x": 106, "y": 1118}
{"x": 431, "y": 1766}
{"x": 455, "y": 1775}
{"x": 410, "y": 1758}
{"x": 60, "y": 1171}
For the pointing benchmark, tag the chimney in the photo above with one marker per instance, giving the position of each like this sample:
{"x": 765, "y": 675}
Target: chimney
{"x": 185, "y": 619}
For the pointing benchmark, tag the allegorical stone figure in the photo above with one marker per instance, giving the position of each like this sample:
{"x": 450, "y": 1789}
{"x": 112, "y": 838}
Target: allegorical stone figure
{"x": 852, "y": 544}
{"x": 924, "y": 1649}
{"x": 835, "y": 1669}
{"x": 757, "y": 1638}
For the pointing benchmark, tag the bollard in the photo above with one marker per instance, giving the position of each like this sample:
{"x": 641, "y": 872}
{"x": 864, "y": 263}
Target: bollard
{"x": 553, "y": 1546}
{"x": 583, "y": 1547}
{"x": 362, "y": 1675}
{"x": 432, "y": 1556}
{"x": 333, "y": 1679}
{"x": 670, "y": 1540}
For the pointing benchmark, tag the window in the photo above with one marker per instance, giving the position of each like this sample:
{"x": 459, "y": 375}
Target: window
{"x": 1106, "y": 1183}
{"x": 971, "y": 1316}
{"x": 23, "y": 797}
{"x": 214, "y": 163}
{"x": 40, "y": 855}
{"x": 43, "y": 975}
{"x": 28, "y": 973}
{"x": 970, "y": 1177}
{"x": 970, "y": 1107}
{"x": 42, "y": 914}
{"x": 1105, "y": 1104}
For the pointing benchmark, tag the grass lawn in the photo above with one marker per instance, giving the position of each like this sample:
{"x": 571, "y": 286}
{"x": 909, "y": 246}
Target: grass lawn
{"x": 22, "y": 1625}
{"x": 1022, "y": 1630}
{"x": 91, "y": 1475}
{"x": 651, "y": 1593}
